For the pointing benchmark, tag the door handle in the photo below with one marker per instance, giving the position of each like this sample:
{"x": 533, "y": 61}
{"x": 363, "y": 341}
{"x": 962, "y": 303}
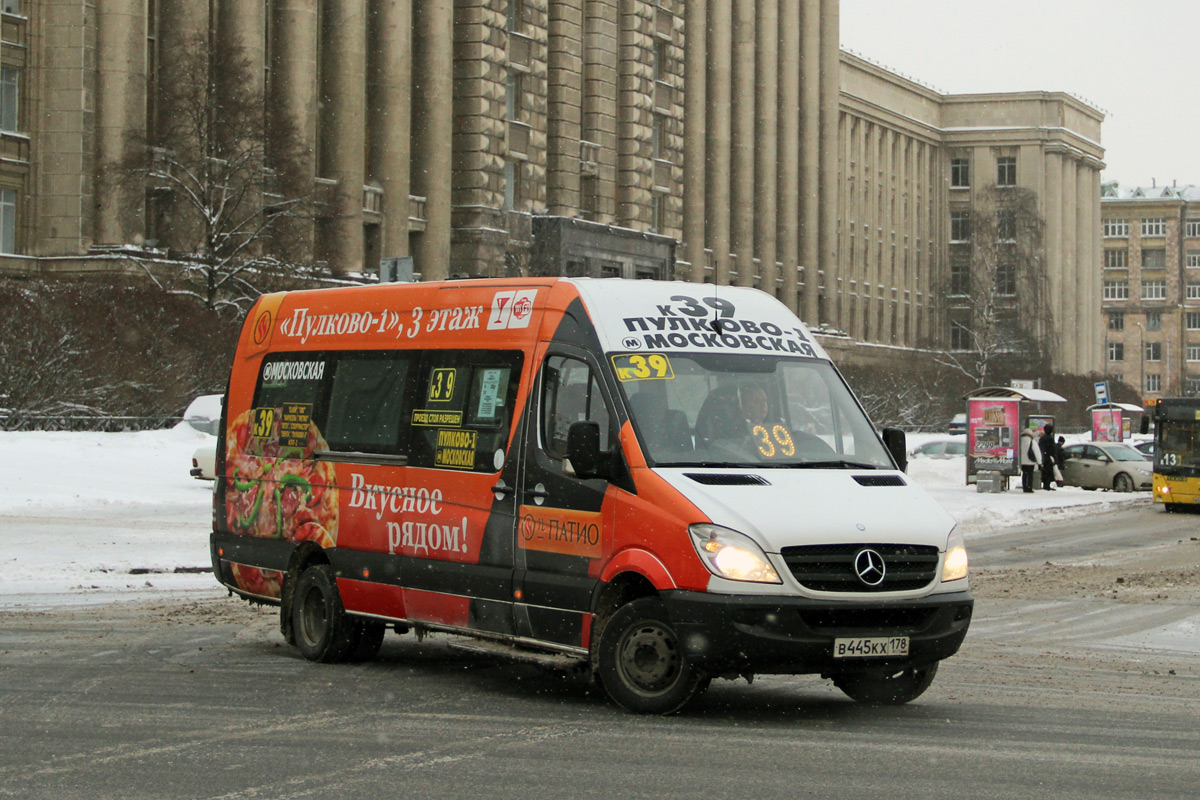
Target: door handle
{"x": 501, "y": 488}
{"x": 537, "y": 494}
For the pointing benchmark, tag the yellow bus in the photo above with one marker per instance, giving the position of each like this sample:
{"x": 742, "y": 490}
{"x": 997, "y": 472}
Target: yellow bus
{"x": 1177, "y": 452}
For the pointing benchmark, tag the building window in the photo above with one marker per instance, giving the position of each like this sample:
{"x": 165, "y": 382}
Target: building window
{"x": 12, "y": 6}
{"x": 1191, "y": 386}
{"x": 960, "y": 336}
{"x": 1116, "y": 351}
{"x": 589, "y": 196}
{"x": 1116, "y": 259}
{"x": 1116, "y": 321}
{"x": 1154, "y": 320}
{"x": 1116, "y": 228}
{"x": 516, "y": 13}
{"x": 1006, "y": 225}
{"x": 1154, "y": 258}
{"x": 1006, "y": 171}
{"x": 8, "y": 221}
{"x": 1154, "y": 226}
{"x": 1116, "y": 290}
{"x": 1154, "y": 351}
{"x": 658, "y": 212}
{"x": 1193, "y": 352}
{"x": 1153, "y": 383}
{"x": 1193, "y": 291}
{"x": 960, "y": 173}
{"x": 1006, "y": 279}
{"x": 512, "y": 185}
{"x": 1192, "y": 258}
{"x": 1191, "y": 228}
{"x": 960, "y": 226}
{"x": 1154, "y": 290}
{"x": 1192, "y": 320}
{"x": 514, "y": 105}
{"x": 10, "y": 89}
{"x": 960, "y": 274}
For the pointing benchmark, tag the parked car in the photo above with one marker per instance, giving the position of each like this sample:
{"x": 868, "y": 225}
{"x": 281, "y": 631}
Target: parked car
{"x": 941, "y": 448}
{"x": 1145, "y": 448}
{"x": 204, "y": 415}
{"x": 958, "y": 424}
{"x": 1106, "y": 465}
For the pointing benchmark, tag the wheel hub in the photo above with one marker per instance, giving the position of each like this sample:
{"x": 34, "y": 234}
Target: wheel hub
{"x": 649, "y": 657}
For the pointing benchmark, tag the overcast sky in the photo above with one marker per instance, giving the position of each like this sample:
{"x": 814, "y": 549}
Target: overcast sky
{"x": 1136, "y": 61}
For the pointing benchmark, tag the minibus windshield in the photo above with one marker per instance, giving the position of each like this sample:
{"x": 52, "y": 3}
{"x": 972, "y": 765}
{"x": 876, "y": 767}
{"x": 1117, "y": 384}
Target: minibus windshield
{"x": 731, "y": 410}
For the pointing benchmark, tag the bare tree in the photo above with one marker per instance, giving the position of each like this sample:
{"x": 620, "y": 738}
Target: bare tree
{"x": 226, "y": 179}
{"x": 995, "y": 298}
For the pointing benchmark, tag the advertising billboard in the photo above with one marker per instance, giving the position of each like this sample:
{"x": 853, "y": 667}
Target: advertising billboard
{"x": 992, "y": 435}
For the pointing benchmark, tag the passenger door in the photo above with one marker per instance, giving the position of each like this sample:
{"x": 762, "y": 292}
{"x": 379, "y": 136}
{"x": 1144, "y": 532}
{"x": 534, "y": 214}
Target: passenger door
{"x": 562, "y": 519}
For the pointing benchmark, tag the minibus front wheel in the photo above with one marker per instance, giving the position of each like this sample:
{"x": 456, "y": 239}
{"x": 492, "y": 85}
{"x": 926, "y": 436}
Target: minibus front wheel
{"x": 642, "y": 664}
{"x": 887, "y": 687}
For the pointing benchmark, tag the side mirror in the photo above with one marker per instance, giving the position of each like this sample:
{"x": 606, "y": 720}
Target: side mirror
{"x": 1144, "y": 426}
{"x": 583, "y": 450}
{"x": 896, "y": 443}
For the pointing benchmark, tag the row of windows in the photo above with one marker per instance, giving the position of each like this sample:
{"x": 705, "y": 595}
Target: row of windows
{"x": 960, "y": 172}
{"x": 1152, "y": 258}
{"x": 1151, "y": 290}
{"x": 1191, "y": 319}
{"x": 1152, "y": 351}
{"x": 1151, "y": 226}
{"x": 440, "y": 408}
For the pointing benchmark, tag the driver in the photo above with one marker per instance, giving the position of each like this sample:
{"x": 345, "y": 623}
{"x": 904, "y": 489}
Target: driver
{"x": 752, "y": 400}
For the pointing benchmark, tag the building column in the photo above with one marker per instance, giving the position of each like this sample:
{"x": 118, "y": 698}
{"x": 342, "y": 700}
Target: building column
{"x": 343, "y": 134}
{"x": 564, "y": 107}
{"x": 695, "y": 68}
{"x": 1065, "y": 296}
{"x": 830, "y": 94}
{"x": 742, "y": 142}
{"x": 766, "y": 158}
{"x": 810, "y": 163}
{"x": 389, "y": 76}
{"x": 717, "y": 200}
{"x": 1052, "y": 203}
{"x": 789, "y": 152}
{"x": 433, "y": 131}
{"x": 293, "y": 90}
{"x": 120, "y": 117}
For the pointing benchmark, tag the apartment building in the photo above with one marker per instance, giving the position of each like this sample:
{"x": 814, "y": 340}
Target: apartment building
{"x": 1151, "y": 282}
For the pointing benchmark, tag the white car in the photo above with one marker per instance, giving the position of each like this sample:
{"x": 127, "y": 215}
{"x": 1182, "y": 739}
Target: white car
{"x": 1106, "y": 465}
{"x": 204, "y": 415}
{"x": 941, "y": 448}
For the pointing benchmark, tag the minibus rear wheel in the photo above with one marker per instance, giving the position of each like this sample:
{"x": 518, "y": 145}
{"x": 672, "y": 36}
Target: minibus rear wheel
{"x": 642, "y": 665}
{"x": 323, "y": 631}
{"x": 888, "y": 688}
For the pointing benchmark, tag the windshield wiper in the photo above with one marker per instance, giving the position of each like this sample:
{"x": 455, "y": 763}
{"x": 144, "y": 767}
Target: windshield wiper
{"x": 836, "y": 464}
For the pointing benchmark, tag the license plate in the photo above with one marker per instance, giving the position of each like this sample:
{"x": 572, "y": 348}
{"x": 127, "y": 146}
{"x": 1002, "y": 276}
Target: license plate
{"x": 870, "y": 647}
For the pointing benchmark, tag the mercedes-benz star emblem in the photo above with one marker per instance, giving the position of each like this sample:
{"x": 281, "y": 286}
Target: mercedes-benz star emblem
{"x": 869, "y": 567}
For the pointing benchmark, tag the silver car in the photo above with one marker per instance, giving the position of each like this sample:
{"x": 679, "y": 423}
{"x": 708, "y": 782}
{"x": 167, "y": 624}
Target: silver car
{"x": 1106, "y": 465}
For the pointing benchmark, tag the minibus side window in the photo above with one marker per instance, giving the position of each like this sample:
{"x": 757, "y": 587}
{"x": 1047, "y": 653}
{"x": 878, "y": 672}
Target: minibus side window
{"x": 570, "y": 393}
{"x": 462, "y": 408}
{"x": 285, "y": 417}
{"x": 366, "y": 403}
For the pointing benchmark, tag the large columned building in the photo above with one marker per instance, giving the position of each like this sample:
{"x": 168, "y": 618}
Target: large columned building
{"x": 728, "y": 141}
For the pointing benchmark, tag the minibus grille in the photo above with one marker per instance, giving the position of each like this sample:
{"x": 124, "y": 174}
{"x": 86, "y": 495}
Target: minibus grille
{"x": 879, "y": 480}
{"x": 722, "y": 479}
{"x": 832, "y": 568}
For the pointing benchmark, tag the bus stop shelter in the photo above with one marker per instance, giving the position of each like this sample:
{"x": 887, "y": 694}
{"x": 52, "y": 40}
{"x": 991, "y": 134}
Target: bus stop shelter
{"x": 1112, "y": 422}
{"x": 994, "y": 421}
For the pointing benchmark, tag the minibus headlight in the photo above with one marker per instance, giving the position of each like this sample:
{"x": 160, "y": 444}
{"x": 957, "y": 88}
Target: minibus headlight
{"x": 732, "y": 555}
{"x": 955, "y": 567}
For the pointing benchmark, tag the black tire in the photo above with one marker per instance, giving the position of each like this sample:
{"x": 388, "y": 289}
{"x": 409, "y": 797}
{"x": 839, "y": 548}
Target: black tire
{"x": 885, "y": 687}
{"x": 1122, "y": 483}
{"x": 641, "y": 663}
{"x": 323, "y": 631}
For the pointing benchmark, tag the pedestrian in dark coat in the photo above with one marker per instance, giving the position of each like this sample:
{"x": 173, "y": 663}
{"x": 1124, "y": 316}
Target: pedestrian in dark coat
{"x": 1049, "y": 448}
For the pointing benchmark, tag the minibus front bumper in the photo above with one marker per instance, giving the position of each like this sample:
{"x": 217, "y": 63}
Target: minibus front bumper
{"x": 792, "y": 635}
